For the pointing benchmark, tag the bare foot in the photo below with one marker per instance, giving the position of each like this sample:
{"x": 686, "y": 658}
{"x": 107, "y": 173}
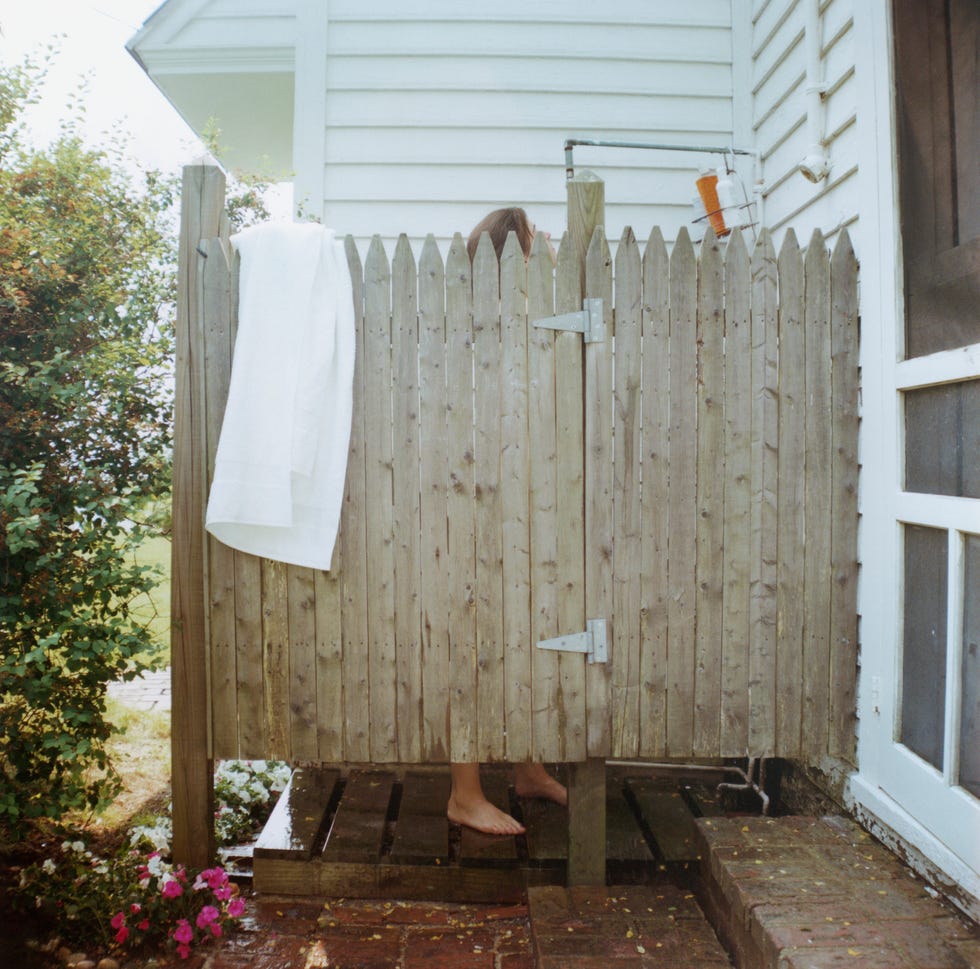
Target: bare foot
{"x": 532, "y": 780}
{"x": 481, "y": 815}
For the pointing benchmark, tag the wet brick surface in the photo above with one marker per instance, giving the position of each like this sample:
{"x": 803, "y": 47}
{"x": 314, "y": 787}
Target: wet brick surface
{"x": 351, "y": 934}
{"x": 804, "y": 893}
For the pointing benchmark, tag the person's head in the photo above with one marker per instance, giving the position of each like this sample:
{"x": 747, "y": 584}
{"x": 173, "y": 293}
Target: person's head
{"x": 498, "y": 224}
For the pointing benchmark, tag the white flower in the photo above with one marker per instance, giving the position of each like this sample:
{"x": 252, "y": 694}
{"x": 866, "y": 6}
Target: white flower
{"x": 49, "y": 867}
{"x": 159, "y": 834}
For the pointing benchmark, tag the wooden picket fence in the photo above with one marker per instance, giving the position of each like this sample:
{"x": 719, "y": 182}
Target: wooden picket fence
{"x": 691, "y": 479}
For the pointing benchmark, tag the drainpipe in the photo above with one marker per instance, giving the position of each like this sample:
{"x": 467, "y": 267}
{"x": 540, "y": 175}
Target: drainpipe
{"x": 814, "y": 165}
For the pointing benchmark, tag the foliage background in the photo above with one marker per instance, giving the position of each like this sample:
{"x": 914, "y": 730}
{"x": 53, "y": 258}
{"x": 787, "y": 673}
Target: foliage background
{"x": 87, "y": 284}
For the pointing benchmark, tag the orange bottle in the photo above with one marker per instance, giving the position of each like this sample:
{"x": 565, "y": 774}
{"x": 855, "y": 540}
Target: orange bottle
{"x": 708, "y": 190}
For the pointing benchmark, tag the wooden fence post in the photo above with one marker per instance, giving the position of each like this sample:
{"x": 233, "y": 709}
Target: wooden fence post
{"x": 202, "y": 203}
{"x": 587, "y": 780}
{"x": 586, "y": 200}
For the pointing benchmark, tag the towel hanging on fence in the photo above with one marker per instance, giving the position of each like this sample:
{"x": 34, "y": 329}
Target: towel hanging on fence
{"x": 281, "y": 462}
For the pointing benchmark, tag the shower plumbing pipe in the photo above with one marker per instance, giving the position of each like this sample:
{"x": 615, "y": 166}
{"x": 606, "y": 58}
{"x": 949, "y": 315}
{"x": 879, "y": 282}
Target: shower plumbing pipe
{"x": 814, "y": 165}
{"x": 756, "y": 766}
{"x": 570, "y": 143}
{"x": 755, "y": 155}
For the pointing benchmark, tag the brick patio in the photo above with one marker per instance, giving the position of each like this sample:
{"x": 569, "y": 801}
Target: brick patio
{"x": 286, "y": 934}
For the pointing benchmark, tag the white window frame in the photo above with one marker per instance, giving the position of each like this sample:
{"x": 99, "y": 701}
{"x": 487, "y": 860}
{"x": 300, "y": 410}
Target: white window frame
{"x": 883, "y": 505}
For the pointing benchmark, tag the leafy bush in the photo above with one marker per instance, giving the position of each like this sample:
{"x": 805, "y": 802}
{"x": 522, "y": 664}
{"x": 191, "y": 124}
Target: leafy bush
{"x": 86, "y": 291}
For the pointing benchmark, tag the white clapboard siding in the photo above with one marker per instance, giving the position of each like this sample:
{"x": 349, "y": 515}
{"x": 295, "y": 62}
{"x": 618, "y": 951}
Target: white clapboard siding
{"x": 437, "y": 112}
{"x": 420, "y": 117}
{"x": 663, "y": 12}
{"x": 566, "y": 73}
{"x": 474, "y": 181}
{"x": 508, "y": 145}
{"x": 779, "y": 115}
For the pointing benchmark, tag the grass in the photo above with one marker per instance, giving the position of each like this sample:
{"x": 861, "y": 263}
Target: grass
{"x": 140, "y": 745}
{"x": 140, "y": 751}
{"x": 154, "y": 609}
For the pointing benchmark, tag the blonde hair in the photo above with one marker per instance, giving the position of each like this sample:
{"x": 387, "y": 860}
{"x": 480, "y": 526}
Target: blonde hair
{"x": 498, "y": 224}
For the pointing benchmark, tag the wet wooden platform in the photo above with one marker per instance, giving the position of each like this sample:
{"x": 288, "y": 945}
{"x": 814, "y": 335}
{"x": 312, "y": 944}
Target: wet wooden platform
{"x": 370, "y": 833}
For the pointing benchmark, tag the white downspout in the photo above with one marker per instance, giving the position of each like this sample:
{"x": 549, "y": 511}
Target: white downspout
{"x": 814, "y": 165}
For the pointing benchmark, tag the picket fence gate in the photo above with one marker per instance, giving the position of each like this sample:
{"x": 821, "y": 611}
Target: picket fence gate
{"x": 688, "y": 477}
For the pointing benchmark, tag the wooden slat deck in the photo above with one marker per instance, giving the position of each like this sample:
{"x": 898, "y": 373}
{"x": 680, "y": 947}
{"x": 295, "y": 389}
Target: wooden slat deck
{"x": 367, "y": 833}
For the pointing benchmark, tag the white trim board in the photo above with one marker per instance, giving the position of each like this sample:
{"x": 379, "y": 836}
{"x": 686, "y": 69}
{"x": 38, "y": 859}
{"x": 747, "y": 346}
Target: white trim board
{"x": 926, "y": 855}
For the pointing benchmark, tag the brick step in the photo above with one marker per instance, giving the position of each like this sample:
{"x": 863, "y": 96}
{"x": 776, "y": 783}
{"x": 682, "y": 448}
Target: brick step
{"x": 816, "y": 893}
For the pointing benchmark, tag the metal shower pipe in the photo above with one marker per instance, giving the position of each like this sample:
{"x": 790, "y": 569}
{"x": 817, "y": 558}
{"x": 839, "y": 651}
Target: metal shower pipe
{"x": 570, "y": 144}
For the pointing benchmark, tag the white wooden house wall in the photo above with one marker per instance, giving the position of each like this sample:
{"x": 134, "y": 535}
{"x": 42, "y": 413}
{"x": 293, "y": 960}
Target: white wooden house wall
{"x": 437, "y": 112}
{"x": 779, "y": 130}
{"x": 421, "y": 117}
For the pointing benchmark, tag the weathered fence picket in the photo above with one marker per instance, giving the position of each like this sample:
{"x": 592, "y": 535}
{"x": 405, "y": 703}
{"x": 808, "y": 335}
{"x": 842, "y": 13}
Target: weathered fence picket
{"x": 681, "y": 499}
{"x": 690, "y": 479}
{"x": 655, "y": 370}
{"x": 515, "y": 499}
{"x": 765, "y": 488}
{"x": 570, "y": 443}
{"x": 737, "y": 526}
{"x": 627, "y": 512}
{"x": 844, "y": 500}
{"x": 710, "y": 497}
{"x": 462, "y": 740}
{"x": 791, "y": 496}
{"x": 599, "y": 521}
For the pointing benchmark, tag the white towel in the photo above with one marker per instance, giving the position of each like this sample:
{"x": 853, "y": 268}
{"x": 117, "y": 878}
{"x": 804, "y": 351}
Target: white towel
{"x": 282, "y": 455}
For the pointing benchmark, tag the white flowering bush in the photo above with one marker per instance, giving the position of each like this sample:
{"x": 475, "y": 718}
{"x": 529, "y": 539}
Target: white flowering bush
{"x": 245, "y": 792}
{"x": 158, "y": 834}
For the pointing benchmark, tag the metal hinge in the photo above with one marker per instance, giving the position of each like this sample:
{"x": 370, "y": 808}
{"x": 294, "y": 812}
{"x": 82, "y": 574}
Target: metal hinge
{"x": 592, "y": 642}
{"x": 589, "y": 321}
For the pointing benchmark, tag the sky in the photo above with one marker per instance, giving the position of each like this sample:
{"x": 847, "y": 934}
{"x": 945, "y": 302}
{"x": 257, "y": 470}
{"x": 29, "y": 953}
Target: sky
{"x": 95, "y": 33}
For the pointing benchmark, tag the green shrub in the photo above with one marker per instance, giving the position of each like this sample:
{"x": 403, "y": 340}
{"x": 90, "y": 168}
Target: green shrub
{"x": 86, "y": 294}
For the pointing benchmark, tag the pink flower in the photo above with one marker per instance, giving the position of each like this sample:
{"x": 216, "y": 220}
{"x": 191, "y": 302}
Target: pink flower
{"x": 215, "y": 928}
{"x": 135, "y": 907}
{"x": 122, "y": 935}
{"x": 207, "y": 915}
{"x": 118, "y": 920}
{"x": 171, "y": 889}
{"x": 236, "y": 907}
{"x": 144, "y": 925}
{"x": 183, "y": 951}
{"x": 184, "y": 934}
{"x": 223, "y": 894}
{"x": 216, "y": 878}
